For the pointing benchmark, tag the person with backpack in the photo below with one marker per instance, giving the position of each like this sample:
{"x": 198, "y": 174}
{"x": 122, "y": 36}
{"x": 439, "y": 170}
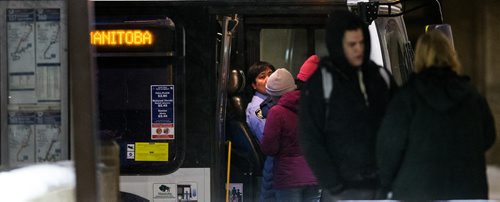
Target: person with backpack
{"x": 341, "y": 108}
{"x": 293, "y": 179}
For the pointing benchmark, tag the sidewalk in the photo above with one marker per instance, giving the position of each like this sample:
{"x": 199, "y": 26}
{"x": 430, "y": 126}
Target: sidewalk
{"x": 494, "y": 182}
{"x": 493, "y": 96}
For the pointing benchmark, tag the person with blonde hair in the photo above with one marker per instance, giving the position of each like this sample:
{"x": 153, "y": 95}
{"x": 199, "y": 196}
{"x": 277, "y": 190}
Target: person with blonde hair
{"x": 432, "y": 141}
{"x": 434, "y": 50}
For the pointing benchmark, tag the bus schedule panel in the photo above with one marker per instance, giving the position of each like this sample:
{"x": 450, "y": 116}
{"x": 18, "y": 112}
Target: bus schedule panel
{"x": 133, "y": 38}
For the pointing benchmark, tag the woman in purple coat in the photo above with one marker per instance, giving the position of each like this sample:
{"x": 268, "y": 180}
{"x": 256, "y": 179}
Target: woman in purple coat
{"x": 293, "y": 179}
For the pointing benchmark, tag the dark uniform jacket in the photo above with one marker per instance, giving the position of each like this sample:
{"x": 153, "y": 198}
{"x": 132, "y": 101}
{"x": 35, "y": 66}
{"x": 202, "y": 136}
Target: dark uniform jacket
{"x": 432, "y": 141}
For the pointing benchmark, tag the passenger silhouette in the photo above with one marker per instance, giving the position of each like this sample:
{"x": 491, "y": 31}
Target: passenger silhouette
{"x": 341, "y": 108}
{"x": 432, "y": 141}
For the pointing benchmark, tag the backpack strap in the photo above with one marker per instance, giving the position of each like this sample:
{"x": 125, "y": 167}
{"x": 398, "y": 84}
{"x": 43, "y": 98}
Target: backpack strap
{"x": 327, "y": 80}
{"x": 327, "y": 84}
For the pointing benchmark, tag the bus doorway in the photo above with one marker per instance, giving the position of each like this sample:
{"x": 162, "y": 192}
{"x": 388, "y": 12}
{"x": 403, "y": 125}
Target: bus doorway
{"x": 208, "y": 53}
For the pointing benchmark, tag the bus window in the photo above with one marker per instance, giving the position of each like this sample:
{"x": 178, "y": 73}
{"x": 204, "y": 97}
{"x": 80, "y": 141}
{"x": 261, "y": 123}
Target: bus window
{"x": 284, "y": 48}
{"x": 319, "y": 43}
{"x": 289, "y": 48}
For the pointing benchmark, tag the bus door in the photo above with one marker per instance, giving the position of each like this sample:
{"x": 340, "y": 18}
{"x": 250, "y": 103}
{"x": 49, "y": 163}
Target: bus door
{"x": 286, "y": 40}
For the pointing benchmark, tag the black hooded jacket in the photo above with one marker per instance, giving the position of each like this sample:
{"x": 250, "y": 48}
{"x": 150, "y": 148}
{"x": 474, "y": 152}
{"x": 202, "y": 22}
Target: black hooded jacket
{"x": 432, "y": 141}
{"x": 338, "y": 138}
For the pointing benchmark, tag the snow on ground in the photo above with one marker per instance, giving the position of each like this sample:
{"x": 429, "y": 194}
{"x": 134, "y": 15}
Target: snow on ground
{"x": 31, "y": 182}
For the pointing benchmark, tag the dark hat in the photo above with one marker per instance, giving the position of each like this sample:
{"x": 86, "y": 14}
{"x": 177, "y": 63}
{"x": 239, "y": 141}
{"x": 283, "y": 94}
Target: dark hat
{"x": 338, "y": 23}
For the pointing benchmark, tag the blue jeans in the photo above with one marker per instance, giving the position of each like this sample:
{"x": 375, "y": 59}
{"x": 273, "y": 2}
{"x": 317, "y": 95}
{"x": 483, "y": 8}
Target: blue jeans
{"x": 299, "y": 194}
{"x": 267, "y": 193}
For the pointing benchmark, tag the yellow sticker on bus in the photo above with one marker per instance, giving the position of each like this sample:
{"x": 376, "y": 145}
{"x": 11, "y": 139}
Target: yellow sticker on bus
{"x": 151, "y": 151}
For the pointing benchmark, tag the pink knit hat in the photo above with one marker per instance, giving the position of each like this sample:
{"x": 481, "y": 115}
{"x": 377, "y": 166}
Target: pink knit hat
{"x": 308, "y": 68}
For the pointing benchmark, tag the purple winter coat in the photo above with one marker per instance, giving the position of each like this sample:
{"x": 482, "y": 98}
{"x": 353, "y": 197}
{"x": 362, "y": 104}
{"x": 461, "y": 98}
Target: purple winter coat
{"x": 281, "y": 141}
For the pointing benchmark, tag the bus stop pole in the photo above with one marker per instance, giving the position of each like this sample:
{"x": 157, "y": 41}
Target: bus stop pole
{"x": 83, "y": 116}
